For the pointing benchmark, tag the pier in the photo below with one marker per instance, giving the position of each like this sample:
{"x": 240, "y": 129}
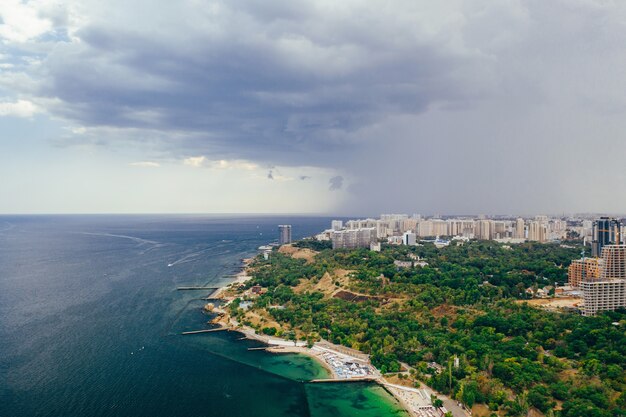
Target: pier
{"x": 196, "y": 288}
{"x": 363, "y": 379}
{"x": 259, "y": 348}
{"x": 221, "y": 329}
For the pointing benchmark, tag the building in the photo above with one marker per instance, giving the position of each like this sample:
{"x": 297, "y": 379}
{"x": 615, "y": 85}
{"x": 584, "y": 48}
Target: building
{"x": 409, "y": 225}
{"x": 403, "y": 264}
{"x": 614, "y": 262}
{"x": 483, "y": 229}
{"x": 354, "y": 238}
{"x": 425, "y": 228}
{"x": 520, "y": 229}
{"x": 537, "y": 231}
{"x": 499, "y": 230}
{"x": 583, "y": 269}
{"x": 375, "y": 246}
{"x": 336, "y": 225}
{"x": 409, "y": 239}
{"x": 284, "y": 234}
{"x": 602, "y": 295}
{"x": 440, "y": 228}
{"x": 609, "y": 291}
{"x": 605, "y": 231}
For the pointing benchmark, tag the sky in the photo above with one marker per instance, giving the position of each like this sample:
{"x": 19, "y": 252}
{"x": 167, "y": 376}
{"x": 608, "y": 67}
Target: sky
{"x": 344, "y": 108}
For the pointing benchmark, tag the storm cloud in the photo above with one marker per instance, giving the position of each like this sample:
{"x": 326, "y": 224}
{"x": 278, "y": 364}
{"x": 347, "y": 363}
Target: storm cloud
{"x": 270, "y": 81}
{"x": 455, "y": 107}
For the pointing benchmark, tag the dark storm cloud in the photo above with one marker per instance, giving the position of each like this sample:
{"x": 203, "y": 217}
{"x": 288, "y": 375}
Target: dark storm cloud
{"x": 271, "y": 82}
{"x": 464, "y": 106}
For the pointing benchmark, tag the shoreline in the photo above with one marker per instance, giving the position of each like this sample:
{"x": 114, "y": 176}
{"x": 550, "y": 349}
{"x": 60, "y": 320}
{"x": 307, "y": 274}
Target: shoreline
{"x": 403, "y": 396}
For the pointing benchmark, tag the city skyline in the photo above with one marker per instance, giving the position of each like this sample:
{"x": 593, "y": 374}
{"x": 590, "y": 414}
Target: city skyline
{"x": 324, "y": 108}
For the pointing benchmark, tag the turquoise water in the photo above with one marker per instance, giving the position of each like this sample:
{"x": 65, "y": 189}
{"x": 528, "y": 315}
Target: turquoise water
{"x": 90, "y": 323}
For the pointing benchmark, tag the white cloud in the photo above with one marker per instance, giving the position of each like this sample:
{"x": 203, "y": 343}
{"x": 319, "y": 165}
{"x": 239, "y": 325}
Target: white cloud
{"x": 223, "y": 164}
{"x": 234, "y": 164}
{"x": 145, "y": 164}
{"x": 20, "y": 108}
{"x": 195, "y": 161}
{"x": 21, "y": 21}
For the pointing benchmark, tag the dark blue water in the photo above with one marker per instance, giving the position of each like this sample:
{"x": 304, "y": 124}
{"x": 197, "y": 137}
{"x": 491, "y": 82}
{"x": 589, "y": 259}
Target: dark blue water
{"x": 90, "y": 322}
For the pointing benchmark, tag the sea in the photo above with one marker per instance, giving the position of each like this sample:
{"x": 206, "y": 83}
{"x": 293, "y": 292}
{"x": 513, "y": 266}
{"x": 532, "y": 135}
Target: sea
{"x": 91, "y": 322}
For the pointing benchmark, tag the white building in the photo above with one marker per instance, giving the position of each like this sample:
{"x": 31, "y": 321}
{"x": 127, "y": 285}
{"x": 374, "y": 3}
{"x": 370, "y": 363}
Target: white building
{"x": 409, "y": 239}
{"x": 336, "y": 225}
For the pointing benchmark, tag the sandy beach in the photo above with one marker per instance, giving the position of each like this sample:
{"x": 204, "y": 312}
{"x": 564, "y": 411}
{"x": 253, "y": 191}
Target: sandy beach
{"x": 315, "y": 355}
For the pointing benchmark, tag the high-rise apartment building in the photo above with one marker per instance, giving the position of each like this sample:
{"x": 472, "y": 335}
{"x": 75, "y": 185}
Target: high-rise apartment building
{"x": 613, "y": 262}
{"x": 353, "y": 238}
{"x": 425, "y": 228}
{"x": 409, "y": 225}
{"x": 440, "y": 227}
{"x": 498, "y": 229}
{"x": 284, "y": 234}
{"x": 483, "y": 229}
{"x": 603, "y": 295}
{"x": 520, "y": 232}
{"x": 537, "y": 231}
{"x": 606, "y": 231}
{"x": 609, "y": 291}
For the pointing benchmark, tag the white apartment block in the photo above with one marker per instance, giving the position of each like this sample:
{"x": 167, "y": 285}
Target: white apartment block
{"x": 353, "y": 238}
{"x": 602, "y": 295}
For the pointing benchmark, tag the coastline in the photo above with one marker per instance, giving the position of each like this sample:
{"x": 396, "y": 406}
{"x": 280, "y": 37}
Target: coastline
{"x": 407, "y": 398}
{"x": 282, "y": 346}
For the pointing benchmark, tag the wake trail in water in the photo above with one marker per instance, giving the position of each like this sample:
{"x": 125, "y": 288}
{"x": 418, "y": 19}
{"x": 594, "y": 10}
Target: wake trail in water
{"x": 139, "y": 241}
{"x": 136, "y": 239}
{"x": 190, "y": 257}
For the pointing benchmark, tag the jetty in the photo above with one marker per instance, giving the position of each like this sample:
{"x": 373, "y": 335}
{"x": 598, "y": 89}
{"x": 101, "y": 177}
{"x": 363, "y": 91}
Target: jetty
{"x": 196, "y": 288}
{"x": 357, "y": 379}
{"x": 221, "y": 329}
